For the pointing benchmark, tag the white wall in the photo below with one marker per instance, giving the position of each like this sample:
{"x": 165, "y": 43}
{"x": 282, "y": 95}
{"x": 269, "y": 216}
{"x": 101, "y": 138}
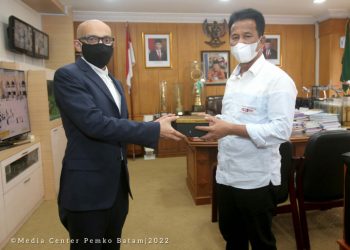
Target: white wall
{"x": 25, "y": 13}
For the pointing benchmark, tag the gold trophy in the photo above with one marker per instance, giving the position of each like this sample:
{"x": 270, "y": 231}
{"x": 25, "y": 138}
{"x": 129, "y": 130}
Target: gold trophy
{"x": 198, "y": 87}
{"x": 163, "y": 97}
{"x": 178, "y": 99}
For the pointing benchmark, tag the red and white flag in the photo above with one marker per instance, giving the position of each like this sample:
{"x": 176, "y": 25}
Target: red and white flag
{"x": 130, "y": 59}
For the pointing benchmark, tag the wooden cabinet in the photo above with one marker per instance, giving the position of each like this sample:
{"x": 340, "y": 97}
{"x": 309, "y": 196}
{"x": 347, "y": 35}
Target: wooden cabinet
{"x": 170, "y": 148}
{"x": 22, "y": 187}
{"x": 58, "y": 143}
{"x": 41, "y": 125}
{"x": 2, "y": 214}
{"x": 200, "y": 159}
{"x": 343, "y": 245}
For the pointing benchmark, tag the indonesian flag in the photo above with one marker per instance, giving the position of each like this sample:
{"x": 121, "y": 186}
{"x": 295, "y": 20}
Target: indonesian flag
{"x": 130, "y": 58}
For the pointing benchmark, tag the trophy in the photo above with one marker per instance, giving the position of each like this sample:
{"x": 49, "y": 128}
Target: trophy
{"x": 163, "y": 97}
{"x": 178, "y": 99}
{"x": 198, "y": 87}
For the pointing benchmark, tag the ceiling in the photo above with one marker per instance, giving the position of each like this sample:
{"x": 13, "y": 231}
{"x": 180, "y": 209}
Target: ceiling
{"x": 267, "y": 7}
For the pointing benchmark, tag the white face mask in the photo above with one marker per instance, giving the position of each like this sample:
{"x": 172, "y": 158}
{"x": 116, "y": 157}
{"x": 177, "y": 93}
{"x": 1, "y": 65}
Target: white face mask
{"x": 244, "y": 52}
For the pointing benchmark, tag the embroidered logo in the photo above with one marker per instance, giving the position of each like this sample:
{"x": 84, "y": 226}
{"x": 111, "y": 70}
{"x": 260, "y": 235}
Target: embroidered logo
{"x": 246, "y": 109}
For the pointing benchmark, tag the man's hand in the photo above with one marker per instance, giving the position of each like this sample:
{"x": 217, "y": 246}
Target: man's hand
{"x": 166, "y": 130}
{"x": 217, "y": 128}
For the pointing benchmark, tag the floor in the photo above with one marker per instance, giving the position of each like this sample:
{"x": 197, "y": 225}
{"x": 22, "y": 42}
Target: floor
{"x": 164, "y": 216}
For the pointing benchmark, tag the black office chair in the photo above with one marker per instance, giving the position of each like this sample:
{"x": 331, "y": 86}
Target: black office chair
{"x": 213, "y": 104}
{"x": 285, "y": 190}
{"x": 320, "y": 175}
{"x": 346, "y": 158}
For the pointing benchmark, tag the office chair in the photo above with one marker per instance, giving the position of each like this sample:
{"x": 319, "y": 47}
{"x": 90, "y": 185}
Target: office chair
{"x": 285, "y": 190}
{"x": 213, "y": 104}
{"x": 346, "y": 158}
{"x": 320, "y": 175}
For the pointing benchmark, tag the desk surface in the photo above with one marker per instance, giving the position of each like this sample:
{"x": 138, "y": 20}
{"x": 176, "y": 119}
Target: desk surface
{"x": 196, "y": 142}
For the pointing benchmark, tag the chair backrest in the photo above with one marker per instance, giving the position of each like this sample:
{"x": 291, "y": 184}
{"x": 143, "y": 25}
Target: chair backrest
{"x": 323, "y": 171}
{"x": 213, "y": 104}
{"x": 286, "y": 152}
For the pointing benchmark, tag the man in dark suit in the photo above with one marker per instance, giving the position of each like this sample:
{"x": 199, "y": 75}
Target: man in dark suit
{"x": 158, "y": 54}
{"x": 269, "y": 51}
{"x": 94, "y": 186}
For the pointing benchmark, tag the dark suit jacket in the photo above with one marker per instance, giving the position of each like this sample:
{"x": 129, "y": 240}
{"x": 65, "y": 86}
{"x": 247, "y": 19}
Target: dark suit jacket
{"x": 153, "y": 56}
{"x": 97, "y": 133}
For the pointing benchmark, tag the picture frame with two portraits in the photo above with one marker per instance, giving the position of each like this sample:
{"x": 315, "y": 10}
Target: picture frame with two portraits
{"x": 24, "y": 38}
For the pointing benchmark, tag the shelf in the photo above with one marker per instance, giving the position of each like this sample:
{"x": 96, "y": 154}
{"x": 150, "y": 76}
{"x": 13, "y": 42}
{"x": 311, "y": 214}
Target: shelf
{"x": 46, "y": 6}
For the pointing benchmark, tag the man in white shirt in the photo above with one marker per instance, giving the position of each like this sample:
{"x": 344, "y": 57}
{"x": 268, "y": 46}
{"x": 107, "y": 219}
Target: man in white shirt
{"x": 257, "y": 116}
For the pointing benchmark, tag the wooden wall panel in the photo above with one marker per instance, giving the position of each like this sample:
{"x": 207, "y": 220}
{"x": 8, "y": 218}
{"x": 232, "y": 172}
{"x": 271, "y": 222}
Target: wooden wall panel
{"x": 60, "y": 31}
{"x": 309, "y": 56}
{"x": 188, "y": 40}
{"x": 330, "y": 52}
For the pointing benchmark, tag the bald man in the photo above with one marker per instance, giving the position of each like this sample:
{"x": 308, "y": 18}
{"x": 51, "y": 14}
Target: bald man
{"x": 94, "y": 187}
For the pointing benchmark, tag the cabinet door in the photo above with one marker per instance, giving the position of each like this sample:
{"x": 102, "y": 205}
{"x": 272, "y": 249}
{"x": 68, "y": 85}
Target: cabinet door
{"x": 2, "y": 215}
{"x": 58, "y": 145}
{"x": 20, "y": 200}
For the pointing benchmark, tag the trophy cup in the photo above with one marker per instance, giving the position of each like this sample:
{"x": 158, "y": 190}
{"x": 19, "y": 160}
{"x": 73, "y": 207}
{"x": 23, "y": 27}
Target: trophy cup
{"x": 198, "y": 87}
{"x": 178, "y": 99}
{"x": 163, "y": 97}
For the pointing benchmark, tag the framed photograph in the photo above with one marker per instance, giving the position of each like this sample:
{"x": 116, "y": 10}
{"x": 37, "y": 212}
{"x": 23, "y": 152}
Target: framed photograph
{"x": 157, "y": 50}
{"x": 272, "y": 49}
{"x": 20, "y": 36}
{"x": 216, "y": 66}
{"x": 41, "y": 44}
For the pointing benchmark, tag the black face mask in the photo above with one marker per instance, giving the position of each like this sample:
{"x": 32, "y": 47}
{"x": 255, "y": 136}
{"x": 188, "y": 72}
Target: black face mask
{"x": 97, "y": 54}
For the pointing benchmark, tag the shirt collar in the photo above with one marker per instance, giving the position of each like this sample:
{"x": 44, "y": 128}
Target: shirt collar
{"x": 254, "y": 69}
{"x": 97, "y": 69}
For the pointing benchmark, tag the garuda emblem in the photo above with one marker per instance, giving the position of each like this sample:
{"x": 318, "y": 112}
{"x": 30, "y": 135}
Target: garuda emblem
{"x": 215, "y": 30}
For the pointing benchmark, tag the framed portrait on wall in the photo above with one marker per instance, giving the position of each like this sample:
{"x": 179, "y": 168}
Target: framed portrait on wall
{"x": 41, "y": 44}
{"x": 216, "y": 66}
{"x": 20, "y": 36}
{"x": 272, "y": 49}
{"x": 157, "y": 50}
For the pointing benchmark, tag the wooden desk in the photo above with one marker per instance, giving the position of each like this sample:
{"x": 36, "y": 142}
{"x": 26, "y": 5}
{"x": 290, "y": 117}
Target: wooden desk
{"x": 200, "y": 159}
{"x": 343, "y": 245}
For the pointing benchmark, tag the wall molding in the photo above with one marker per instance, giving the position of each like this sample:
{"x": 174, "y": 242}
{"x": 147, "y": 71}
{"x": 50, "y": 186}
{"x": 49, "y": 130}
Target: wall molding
{"x": 154, "y": 17}
{"x": 334, "y": 13}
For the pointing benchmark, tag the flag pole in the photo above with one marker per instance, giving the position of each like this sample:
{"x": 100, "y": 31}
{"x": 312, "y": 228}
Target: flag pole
{"x": 129, "y": 87}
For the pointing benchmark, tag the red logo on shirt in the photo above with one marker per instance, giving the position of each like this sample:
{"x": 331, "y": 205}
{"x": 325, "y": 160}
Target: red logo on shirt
{"x": 246, "y": 109}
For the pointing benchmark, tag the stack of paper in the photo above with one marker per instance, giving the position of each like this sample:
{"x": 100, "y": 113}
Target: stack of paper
{"x": 327, "y": 121}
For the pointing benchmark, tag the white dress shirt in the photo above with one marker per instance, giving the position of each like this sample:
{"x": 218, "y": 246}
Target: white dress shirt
{"x": 103, "y": 74}
{"x": 263, "y": 99}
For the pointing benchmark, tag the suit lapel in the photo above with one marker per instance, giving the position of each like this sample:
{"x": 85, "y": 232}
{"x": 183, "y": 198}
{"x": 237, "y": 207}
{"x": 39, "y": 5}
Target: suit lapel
{"x": 90, "y": 73}
{"x": 124, "y": 111}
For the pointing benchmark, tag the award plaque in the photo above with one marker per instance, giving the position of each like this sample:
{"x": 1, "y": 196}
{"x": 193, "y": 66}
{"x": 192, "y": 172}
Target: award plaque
{"x": 186, "y": 125}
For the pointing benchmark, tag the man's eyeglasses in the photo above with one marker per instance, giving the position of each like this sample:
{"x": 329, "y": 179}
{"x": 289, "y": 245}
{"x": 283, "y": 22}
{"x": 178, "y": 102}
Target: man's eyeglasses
{"x": 107, "y": 40}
